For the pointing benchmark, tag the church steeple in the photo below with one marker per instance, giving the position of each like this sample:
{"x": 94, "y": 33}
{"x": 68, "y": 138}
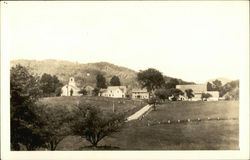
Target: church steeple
{"x": 72, "y": 81}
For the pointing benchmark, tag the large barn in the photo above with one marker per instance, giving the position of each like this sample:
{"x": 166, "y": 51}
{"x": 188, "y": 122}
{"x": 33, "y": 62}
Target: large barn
{"x": 198, "y": 89}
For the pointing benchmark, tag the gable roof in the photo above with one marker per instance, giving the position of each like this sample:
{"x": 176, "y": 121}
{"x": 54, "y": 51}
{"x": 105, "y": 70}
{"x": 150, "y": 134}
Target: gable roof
{"x": 122, "y": 88}
{"x": 89, "y": 87}
{"x": 103, "y": 90}
{"x": 197, "y": 88}
{"x": 67, "y": 85}
{"x": 144, "y": 90}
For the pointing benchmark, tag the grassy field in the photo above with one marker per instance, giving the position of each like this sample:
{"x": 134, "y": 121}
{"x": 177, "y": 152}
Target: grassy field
{"x": 206, "y": 134}
{"x": 105, "y": 103}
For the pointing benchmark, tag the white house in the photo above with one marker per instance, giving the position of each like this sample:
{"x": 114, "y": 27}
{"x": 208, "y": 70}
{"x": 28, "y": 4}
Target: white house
{"x": 70, "y": 89}
{"x": 140, "y": 94}
{"x": 114, "y": 92}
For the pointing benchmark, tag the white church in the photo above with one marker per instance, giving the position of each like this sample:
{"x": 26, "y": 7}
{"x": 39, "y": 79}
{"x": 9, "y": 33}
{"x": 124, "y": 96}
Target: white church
{"x": 70, "y": 89}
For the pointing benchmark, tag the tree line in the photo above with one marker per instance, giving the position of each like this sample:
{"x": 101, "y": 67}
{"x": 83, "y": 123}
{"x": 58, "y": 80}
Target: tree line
{"x": 229, "y": 90}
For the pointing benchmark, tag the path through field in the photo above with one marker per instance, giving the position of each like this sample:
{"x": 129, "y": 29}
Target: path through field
{"x": 139, "y": 113}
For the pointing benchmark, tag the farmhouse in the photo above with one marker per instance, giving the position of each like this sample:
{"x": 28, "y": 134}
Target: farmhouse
{"x": 198, "y": 89}
{"x": 140, "y": 94}
{"x": 114, "y": 92}
{"x": 70, "y": 89}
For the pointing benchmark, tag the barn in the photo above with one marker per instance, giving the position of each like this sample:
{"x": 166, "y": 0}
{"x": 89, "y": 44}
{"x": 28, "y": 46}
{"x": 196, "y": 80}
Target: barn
{"x": 198, "y": 89}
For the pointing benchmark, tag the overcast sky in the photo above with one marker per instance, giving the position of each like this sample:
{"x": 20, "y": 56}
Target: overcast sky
{"x": 192, "y": 40}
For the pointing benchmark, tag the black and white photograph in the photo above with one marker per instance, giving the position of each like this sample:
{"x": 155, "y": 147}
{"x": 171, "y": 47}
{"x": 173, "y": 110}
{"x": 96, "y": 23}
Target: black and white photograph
{"x": 130, "y": 77}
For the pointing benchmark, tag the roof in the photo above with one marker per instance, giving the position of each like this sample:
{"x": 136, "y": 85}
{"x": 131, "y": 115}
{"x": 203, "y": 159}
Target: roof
{"x": 89, "y": 88}
{"x": 197, "y": 88}
{"x": 102, "y": 90}
{"x": 122, "y": 88}
{"x": 144, "y": 90}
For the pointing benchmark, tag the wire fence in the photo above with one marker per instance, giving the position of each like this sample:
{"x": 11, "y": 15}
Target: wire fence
{"x": 181, "y": 121}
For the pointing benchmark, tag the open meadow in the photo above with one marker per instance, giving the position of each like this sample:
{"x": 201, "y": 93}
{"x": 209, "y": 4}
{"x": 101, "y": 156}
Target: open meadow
{"x": 202, "y": 126}
{"x": 104, "y": 103}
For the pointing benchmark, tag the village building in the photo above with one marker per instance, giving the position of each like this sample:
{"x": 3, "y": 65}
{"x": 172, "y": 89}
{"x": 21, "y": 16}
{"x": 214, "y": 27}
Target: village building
{"x": 214, "y": 94}
{"x": 89, "y": 90}
{"x": 140, "y": 94}
{"x": 198, "y": 89}
{"x": 114, "y": 92}
{"x": 70, "y": 89}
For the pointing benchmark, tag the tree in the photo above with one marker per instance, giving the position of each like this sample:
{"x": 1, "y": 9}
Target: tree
{"x": 209, "y": 86}
{"x": 25, "y": 125}
{"x": 205, "y": 96}
{"x": 100, "y": 81}
{"x": 58, "y": 91}
{"x": 151, "y": 79}
{"x": 83, "y": 91}
{"x": 94, "y": 125}
{"x": 96, "y": 91}
{"x": 174, "y": 93}
{"x": 115, "y": 81}
{"x": 172, "y": 83}
{"x": 162, "y": 94}
{"x": 153, "y": 101}
{"x": 49, "y": 85}
{"x": 217, "y": 85}
{"x": 229, "y": 88}
{"x": 189, "y": 93}
{"x": 56, "y": 124}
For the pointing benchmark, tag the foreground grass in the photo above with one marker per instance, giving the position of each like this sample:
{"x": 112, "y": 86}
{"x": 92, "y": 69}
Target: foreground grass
{"x": 203, "y": 135}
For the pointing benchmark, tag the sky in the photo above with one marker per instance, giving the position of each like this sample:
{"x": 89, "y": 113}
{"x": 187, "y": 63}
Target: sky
{"x": 192, "y": 40}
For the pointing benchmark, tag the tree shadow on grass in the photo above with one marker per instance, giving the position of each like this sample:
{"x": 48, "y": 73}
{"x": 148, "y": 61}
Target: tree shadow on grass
{"x": 105, "y": 147}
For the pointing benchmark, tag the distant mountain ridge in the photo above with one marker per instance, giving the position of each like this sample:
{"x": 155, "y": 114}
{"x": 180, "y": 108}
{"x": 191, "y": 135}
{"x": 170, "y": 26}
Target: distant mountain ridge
{"x": 222, "y": 79}
{"x": 84, "y": 74}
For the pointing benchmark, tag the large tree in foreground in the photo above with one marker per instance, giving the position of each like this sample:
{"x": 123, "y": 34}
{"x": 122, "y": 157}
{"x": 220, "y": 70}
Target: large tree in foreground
{"x": 56, "y": 124}
{"x": 25, "y": 125}
{"x": 94, "y": 125}
{"x": 151, "y": 79}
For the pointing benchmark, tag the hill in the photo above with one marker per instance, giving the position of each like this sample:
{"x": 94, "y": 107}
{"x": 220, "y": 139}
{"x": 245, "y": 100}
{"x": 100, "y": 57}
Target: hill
{"x": 222, "y": 79}
{"x": 84, "y": 74}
